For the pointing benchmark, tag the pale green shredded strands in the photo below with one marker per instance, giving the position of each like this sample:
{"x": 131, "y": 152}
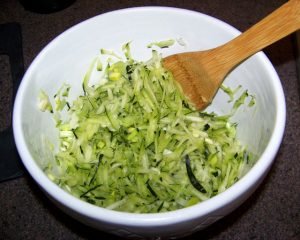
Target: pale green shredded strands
{"x": 162, "y": 44}
{"x": 135, "y": 144}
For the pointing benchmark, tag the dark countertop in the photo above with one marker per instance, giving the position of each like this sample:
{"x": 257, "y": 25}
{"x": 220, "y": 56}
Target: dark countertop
{"x": 273, "y": 211}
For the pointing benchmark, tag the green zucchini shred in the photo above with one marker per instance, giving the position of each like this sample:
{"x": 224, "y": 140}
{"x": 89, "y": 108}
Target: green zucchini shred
{"x": 162, "y": 44}
{"x": 123, "y": 143}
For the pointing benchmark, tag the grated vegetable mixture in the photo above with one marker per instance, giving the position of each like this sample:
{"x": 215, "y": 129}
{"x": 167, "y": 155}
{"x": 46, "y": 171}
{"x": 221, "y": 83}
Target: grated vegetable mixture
{"x": 134, "y": 143}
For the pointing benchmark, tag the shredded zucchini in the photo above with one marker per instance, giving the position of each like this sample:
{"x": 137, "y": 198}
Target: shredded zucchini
{"x": 162, "y": 44}
{"x": 136, "y": 144}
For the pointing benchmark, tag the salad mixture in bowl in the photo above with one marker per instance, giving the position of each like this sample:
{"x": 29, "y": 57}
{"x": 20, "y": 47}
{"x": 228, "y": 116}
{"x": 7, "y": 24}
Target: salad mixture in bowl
{"x": 133, "y": 142}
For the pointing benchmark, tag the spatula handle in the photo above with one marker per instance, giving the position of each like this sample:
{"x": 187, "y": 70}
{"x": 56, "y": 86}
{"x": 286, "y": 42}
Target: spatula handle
{"x": 280, "y": 23}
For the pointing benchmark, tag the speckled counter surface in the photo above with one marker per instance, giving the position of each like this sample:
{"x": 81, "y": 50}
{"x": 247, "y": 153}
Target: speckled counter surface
{"x": 273, "y": 211}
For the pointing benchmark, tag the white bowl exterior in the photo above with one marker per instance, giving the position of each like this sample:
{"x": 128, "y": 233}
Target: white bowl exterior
{"x": 67, "y": 58}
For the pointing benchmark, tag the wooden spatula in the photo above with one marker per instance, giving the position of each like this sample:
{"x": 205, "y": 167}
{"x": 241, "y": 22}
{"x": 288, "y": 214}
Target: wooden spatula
{"x": 201, "y": 73}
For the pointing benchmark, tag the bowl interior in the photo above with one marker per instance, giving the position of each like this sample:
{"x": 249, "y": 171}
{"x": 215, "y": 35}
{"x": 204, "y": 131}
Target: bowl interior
{"x": 67, "y": 58}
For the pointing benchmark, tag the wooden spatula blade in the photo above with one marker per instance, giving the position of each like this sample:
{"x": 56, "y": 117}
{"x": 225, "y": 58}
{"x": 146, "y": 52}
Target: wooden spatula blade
{"x": 187, "y": 71}
{"x": 201, "y": 73}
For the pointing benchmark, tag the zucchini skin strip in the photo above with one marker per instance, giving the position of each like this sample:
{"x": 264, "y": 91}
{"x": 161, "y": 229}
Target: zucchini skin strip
{"x": 193, "y": 180}
{"x": 95, "y": 173}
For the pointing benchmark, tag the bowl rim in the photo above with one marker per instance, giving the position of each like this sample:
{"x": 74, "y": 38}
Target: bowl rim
{"x": 152, "y": 219}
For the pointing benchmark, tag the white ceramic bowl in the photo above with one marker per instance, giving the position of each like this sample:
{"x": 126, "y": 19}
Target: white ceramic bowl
{"x": 67, "y": 58}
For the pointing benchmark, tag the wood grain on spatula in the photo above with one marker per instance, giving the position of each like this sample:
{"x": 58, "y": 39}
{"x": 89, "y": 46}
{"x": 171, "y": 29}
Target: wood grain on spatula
{"x": 201, "y": 73}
